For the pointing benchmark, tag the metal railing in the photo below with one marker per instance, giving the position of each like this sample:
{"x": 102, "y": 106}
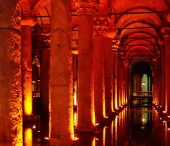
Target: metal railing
{"x": 35, "y": 94}
{"x": 141, "y": 93}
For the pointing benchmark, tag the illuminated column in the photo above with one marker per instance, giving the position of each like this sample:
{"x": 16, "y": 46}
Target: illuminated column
{"x": 162, "y": 98}
{"x": 10, "y": 75}
{"x": 44, "y": 78}
{"x": 114, "y": 81}
{"x": 126, "y": 80}
{"x": 99, "y": 79}
{"x": 28, "y": 136}
{"x": 155, "y": 81}
{"x": 108, "y": 62}
{"x": 26, "y": 65}
{"x": 86, "y": 119}
{"x": 120, "y": 82}
{"x": 167, "y": 73}
{"x": 61, "y": 96}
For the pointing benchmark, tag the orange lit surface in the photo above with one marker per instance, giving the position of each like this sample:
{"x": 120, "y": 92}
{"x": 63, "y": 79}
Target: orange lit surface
{"x": 28, "y": 137}
{"x": 15, "y": 91}
{"x": 104, "y": 135}
{"x": 28, "y": 104}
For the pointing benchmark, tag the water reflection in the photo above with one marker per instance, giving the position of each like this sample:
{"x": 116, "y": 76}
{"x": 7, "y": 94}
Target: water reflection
{"x": 141, "y": 127}
{"x": 131, "y": 127}
{"x": 28, "y": 137}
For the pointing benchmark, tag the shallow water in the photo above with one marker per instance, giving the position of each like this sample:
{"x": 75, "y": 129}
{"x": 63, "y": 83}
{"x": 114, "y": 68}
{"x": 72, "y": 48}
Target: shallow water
{"x": 131, "y": 127}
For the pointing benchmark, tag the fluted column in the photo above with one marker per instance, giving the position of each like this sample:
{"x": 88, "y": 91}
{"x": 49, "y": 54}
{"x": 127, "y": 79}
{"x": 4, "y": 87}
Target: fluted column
{"x": 108, "y": 62}
{"x": 86, "y": 117}
{"x": 61, "y": 96}
{"x": 99, "y": 89}
{"x": 11, "y": 126}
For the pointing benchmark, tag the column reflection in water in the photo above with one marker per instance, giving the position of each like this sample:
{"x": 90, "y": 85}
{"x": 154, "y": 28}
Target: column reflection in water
{"x": 116, "y": 131}
{"x": 122, "y": 130}
{"x": 141, "y": 127}
{"x": 28, "y": 136}
{"x": 131, "y": 127}
{"x": 86, "y": 139}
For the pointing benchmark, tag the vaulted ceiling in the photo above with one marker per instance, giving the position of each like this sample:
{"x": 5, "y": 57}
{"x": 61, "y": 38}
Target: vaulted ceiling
{"x": 136, "y": 25}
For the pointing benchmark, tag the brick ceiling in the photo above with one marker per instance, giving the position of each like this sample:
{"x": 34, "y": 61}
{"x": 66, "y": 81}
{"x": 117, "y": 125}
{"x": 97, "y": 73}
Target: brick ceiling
{"x": 137, "y": 24}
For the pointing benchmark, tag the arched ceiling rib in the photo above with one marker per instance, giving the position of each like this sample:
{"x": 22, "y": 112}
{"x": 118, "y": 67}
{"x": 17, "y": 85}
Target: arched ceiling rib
{"x": 124, "y": 5}
{"x": 138, "y": 23}
{"x": 138, "y": 14}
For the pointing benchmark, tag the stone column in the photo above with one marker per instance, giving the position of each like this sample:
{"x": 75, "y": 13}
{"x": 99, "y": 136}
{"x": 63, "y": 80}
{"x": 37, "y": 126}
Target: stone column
{"x": 116, "y": 79}
{"x": 99, "y": 89}
{"x": 61, "y": 96}
{"x": 167, "y": 74}
{"x": 162, "y": 98}
{"x": 108, "y": 62}
{"x": 120, "y": 83}
{"x": 122, "y": 79}
{"x": 155, "y": 81}
{"x": 85, "y": 107}
{"x": 26, "y": 66}
{"x": 11, "y": 126}
{"x": 44, "y": 93}
{"x": 126, "y": 80}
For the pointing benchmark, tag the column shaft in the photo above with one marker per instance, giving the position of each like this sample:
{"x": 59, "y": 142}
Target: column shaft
{"x": 162, "y": 98}
{"x": 86, "y": 119}
{"x": 155, "y": 82}
{"x": 108, "y": 56}
{"x": 61, "y": 96}
{"x": 44, "y": 78}
{"x": 26, "y": 64}
{"x": 114, "y": 81}
{"x": 119, "y": 83}
{"x": 167, "y": 76}
{"x": 126, "y": 80}
{"x": 10, "y": 75}
{"x": 99, "y": 79}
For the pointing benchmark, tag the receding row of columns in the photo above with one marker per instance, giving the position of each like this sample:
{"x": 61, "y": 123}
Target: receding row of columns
{"x": 95, "y": 79}
{"x": 102, "y": 79}
{"x": 161, "y": 78}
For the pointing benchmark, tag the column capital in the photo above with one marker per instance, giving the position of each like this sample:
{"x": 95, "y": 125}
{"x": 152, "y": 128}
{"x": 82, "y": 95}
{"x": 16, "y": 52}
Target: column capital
{"x": 126, "y": 63}
{"x": 116, "y": 44}
{"x": 87, "y": 8}
{"x": 101, "y": 25}
{"x": 166, "y": 33}
{"x": 28, "y": 22}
